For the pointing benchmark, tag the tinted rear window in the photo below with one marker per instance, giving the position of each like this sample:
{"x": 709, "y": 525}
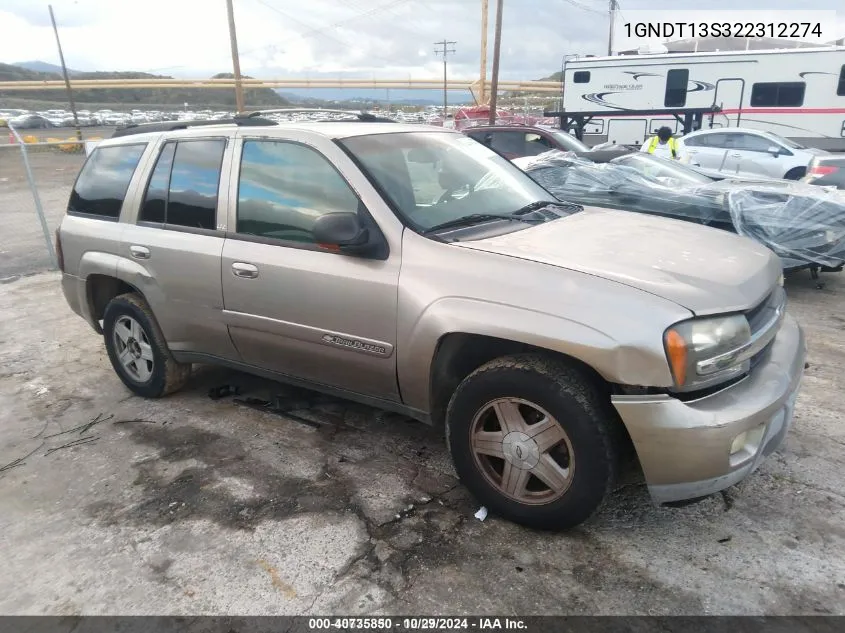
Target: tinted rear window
{"x": 103, "y": 181}
{"x": 194, "y": 180}
{"x": 155, "y": 200}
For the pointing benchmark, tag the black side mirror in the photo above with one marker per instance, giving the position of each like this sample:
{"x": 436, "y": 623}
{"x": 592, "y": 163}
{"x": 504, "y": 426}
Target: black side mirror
{"x": 343, "y": 232}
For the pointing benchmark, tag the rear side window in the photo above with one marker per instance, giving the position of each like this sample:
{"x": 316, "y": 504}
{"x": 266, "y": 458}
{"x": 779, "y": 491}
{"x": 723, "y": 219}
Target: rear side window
{"x": 194, "y": 180}
{"x": 581, "y": 77}
{"x": 676, "y": 88}
{"x": 183, "y": 186}
{"x": 103, "y": 181}
{"x": 155, "y": 200}
{"x": 509, "y": 142}
{"x": 840, "y": 88}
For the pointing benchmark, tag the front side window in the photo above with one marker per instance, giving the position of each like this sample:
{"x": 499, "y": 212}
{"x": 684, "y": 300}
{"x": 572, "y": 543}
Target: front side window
{"x": 676, "y": 88}
{"x": 284, "y": 187}
{"x": 101, "y": 186}
{"x": 753, "y": 143}
{"x": 784, "y": 94}
{"x": 461, "y": 177}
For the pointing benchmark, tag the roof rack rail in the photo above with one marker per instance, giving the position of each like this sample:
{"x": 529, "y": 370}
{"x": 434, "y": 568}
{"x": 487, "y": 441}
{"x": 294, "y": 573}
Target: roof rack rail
{"x": 169, "y": 126}
{"x": 357, "y": 115}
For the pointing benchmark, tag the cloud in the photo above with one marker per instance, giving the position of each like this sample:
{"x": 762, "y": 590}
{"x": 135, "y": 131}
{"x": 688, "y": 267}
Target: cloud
{"x": 361, "y": 38}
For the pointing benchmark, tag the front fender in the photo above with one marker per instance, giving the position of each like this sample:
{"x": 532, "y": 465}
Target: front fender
{"x": 639, "y": 360}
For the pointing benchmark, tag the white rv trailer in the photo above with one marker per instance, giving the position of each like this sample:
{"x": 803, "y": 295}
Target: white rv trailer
{"x": 797, "y": 93}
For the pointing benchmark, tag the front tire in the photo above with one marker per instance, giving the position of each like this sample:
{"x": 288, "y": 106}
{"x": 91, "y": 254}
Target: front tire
{"x": 531, "y": 438}
{"x": 137, "y": 349}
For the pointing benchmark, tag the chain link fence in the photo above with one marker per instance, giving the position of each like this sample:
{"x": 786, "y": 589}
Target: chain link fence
{"x": 36, "y": 176}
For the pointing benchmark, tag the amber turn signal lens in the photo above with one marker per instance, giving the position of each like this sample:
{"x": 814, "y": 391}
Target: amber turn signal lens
{"x": 676, "y": 350}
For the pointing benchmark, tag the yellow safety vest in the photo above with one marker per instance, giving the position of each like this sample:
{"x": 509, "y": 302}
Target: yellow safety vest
{"x": 673, "y": 145}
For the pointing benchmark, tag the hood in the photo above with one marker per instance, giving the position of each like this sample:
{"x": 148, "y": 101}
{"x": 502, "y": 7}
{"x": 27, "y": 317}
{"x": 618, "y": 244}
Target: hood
{"x": 706, "y": 270}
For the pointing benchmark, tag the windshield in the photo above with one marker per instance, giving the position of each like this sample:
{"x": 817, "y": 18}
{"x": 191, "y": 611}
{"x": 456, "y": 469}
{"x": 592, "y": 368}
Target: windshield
{"x": 660, "y": 168}
{"x": 434, "y": 178}
{"x": 569, "y": 142}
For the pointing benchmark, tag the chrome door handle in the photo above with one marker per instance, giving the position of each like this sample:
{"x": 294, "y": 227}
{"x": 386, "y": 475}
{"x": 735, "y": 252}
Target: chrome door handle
{"x": 247, "y": 271}
{"x": 736, "y": 155}
{"x": 139, "y": 252}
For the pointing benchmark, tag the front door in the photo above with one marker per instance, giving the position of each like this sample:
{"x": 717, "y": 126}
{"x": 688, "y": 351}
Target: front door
{"x": 292, "y": 306}
{"x": 749, "y": 155}
{"x": 728, "y": 96}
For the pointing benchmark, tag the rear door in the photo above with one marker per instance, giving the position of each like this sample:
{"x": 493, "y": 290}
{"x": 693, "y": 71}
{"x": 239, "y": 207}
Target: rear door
{"x": 172, "y": 248}
{"x": 293, "y": 306}
{"x": 748, "y": 155}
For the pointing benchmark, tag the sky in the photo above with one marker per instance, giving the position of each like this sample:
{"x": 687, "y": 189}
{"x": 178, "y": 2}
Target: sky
{"x": 348, "y": 38}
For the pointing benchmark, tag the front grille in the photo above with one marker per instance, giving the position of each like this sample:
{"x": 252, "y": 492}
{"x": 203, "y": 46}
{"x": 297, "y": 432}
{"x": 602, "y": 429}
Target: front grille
{"x": 760, "y": 316}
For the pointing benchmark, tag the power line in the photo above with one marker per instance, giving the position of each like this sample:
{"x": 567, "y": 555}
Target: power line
{"x": 445, "y": 48}
{"x": 320, "y": 31}
{"x": 583, "y": 7}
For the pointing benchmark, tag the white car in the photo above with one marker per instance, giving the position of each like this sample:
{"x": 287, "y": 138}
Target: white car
{"x": 747, "y": 152}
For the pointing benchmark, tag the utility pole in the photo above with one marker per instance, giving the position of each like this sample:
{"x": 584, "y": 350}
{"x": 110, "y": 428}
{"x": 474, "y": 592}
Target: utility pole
{"x": 497, "y": 47}
{"x": 444, "y": 50}
{"x": 236, "y": 62}
{"x": 612, "y": 11}
{"x": 484, "y": 14}
{"x": 64, "y": 72}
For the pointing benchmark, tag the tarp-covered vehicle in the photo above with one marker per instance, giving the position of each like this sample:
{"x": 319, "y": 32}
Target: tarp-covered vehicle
{"x": 804, "y": 225}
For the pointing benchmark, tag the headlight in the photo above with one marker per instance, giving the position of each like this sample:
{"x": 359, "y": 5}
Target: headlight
{"x": 705, "y": 352}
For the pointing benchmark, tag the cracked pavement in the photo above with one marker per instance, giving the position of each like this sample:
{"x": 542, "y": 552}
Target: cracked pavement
{"x": 194, "y": 505}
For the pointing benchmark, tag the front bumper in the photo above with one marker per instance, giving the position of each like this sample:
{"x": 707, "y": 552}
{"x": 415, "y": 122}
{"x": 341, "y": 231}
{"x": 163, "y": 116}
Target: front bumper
{"x": 684, "y": 447}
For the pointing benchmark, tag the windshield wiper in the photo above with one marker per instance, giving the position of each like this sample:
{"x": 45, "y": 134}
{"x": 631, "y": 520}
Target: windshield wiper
{"x": 542, "y": 204}
{"x": 468, "y": 220}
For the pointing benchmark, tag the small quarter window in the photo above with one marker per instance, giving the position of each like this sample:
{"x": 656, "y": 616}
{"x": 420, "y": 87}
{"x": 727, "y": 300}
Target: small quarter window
{"x": 101, "y": 186}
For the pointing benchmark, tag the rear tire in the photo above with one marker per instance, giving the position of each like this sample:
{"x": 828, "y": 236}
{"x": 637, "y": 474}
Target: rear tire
{"x": 138, "y": 351}
{"x": 796, "y": 173}
{"x": 532, "y": 439}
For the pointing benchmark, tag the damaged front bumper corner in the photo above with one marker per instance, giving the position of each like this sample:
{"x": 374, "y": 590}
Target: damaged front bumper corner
{"x": 696, "y": 448}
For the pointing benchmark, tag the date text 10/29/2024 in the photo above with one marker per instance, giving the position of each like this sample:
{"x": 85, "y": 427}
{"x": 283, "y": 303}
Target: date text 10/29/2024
{"x": 417, "y": 624}
{"x": 693, "y": 30}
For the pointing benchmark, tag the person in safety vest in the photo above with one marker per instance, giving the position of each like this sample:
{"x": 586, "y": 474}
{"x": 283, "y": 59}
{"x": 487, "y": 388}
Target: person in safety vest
{"x": 663, "y": 144}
